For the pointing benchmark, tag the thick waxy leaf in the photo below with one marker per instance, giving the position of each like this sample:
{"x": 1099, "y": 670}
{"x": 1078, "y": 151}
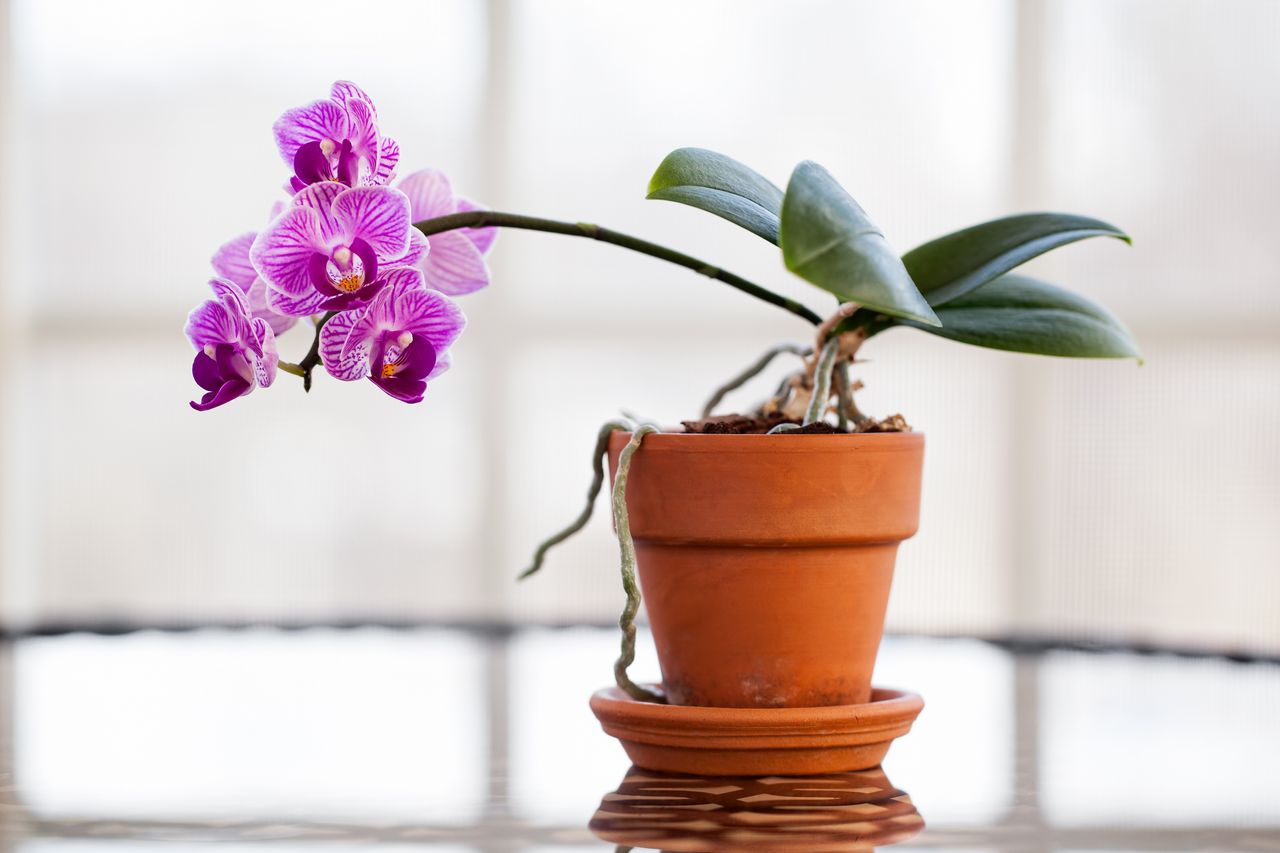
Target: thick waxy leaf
{"x": 1022, "y": 314}
{"x": 720, "y": 185}
{"x": 828, "y": 240}
{"x": 954, "y": 264}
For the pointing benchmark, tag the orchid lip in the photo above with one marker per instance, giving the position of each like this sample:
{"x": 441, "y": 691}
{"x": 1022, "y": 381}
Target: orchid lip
{"x": 222, "y": 374}
{"x": 346, "y": 300}
{"x": 313, "y": 163}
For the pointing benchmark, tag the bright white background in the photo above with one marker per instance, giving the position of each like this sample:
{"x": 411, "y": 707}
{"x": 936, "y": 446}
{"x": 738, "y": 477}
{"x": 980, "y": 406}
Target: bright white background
{"x": 1098, "y": 500}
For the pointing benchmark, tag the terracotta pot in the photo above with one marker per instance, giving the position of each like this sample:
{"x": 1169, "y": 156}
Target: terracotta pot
{"x": 765, "y": 560}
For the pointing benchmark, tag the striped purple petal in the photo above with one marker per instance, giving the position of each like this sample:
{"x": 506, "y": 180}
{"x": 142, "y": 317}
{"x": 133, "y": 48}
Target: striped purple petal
{"x": 282, "y": 251}
{"x": 320, "y": 198}
{"x": 454, "y": 266}
{"x": 210, "y": 323}
{"x": 416, "y": 255}
{"x": 231, "y": 261}
{"x": 444, "y": 361}
{"x": 314, "y": 122}
{"x": 430, "y": 194}
{"x": 344, "y": 91}
{"x": 303, "y": 305}
{"x": 405, "y": 305}
{"x": 350, "y": 365}
{"x": 265, "y": 367}
{"x": 260, "y": 306}
{"x": 388, "y": 159}
{"x": 377, "y": 215}
{"x": 363, "y": 132}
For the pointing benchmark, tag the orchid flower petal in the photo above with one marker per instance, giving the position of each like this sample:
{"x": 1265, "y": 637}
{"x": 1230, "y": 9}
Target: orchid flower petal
{"x": 430, "y": 194}
{"x": 230, "y": 295}
{"x": 282, "y": 251}
{"x": 344, "y": 91}
{"x": 482, "y": 237}
{"x": 350, "y": 365}
{"x": 320, "y": 198}
{"x": 211, "y": 322}
{"x": 455, "y": 266}
{"x": 363, "y": 131}
{"x": 231, "y": 261}
{"x": 405, "y": 305}
{"x": 265, "y": 367}
{"x": 388, "y": 159}
{"x": 378, "y": 215}
{"x": 444, "y": 360}
{"x": 416, "y": 255}
{"x": 259, "y": 306}
{"x": 303, "y": 305}
{"x": 314, "y": 122}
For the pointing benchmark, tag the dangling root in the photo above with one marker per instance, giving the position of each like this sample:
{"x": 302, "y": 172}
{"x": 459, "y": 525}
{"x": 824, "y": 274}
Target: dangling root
{"x": 822, "y": 382}
{"x": 844, "y": 395}
{"x": 750, "y": 373}
{"x": 627, "y": 548}
{"x": 597, "y": 460}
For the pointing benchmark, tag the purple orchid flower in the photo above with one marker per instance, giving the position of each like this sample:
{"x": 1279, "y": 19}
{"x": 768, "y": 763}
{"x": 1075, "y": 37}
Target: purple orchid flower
{"x": 455, "y": 264}
{"x": 327, "y": 251}
{"x": 336, "y": 139}
{"x": 235, "y": 351}
{"x": 399, "y": 341}
{"x": 232, "y": 263}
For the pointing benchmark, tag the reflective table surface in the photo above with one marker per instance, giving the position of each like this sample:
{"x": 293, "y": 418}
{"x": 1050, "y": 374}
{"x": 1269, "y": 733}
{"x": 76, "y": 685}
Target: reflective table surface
{"x": 454, "y": 739}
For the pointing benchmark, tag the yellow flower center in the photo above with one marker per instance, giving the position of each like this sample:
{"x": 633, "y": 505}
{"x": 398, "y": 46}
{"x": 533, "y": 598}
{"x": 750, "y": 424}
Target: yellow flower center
{"x": 389, "y": 370}
{"x": 350, "y": 283}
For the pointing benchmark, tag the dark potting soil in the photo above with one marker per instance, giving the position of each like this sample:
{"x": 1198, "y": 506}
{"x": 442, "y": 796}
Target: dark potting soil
{"x": 756, "y": 425}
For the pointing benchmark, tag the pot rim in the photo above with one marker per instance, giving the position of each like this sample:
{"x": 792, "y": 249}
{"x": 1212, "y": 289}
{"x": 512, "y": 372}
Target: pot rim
{"x": 888, "y": 707}
{"x": 721, "y": 442}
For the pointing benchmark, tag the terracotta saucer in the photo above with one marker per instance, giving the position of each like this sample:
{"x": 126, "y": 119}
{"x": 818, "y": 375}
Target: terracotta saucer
{"x": 836, "y": 813}
{"x": 756, "y": 741}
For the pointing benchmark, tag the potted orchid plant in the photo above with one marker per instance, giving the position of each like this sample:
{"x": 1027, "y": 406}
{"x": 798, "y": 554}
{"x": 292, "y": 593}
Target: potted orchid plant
{"x": 764, "y": 540}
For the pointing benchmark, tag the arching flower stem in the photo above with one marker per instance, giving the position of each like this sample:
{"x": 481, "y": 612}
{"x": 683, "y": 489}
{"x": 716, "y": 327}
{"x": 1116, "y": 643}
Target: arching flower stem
{"x": 493, "y": 218}
{"x": 497, "y": 219}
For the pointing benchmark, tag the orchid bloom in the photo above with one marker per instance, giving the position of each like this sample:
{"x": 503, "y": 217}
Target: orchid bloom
{"x": 398, "y": 342}
{"x": 455, "y": 264}
{"x": 336, "y": 139}
{"x": 235, "y": 352}
{"x": 327, "y": 251}
{"x": 232, "y": 263}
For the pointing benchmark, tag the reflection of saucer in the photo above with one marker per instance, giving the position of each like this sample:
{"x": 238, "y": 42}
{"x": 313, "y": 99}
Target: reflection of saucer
{"x": 839, "y": 813}
{"x": 756, "y": 741}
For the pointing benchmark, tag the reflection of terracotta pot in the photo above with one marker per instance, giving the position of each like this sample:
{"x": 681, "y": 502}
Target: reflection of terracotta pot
{"x": 765, "y": 560}
{"x": 846, "y": 812}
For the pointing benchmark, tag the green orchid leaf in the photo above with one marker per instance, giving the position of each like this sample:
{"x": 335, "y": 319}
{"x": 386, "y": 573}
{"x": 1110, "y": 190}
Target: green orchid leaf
{"x": 828, "y": 240}
{"x": 1021, "y": 314}
{"x": 720, "y": 185}
{"x": 954, "y": 264}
